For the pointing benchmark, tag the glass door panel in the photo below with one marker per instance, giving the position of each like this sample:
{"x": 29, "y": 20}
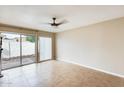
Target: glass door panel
{"x": 11, "y": 50}
{"x": 45, "y": 48}
{"x": 28, "y": 49}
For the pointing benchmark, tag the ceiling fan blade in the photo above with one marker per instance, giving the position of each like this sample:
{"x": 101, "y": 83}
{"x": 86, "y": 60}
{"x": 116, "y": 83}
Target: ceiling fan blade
{"x": 63, "y": 22}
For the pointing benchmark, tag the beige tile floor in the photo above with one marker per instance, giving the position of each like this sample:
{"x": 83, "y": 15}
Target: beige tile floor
{"x": 57, "y": 74}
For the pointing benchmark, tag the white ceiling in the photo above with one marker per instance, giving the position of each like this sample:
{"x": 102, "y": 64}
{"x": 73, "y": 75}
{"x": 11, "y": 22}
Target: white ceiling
{"x": 77, "y": 16}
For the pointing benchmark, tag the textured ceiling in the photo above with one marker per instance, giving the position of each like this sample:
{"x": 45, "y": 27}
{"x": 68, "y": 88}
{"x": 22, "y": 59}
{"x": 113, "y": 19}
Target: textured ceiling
{"x": 77, "y": 16}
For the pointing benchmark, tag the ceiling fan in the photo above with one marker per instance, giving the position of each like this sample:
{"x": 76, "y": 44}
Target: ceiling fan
{"x": 55, "y": 24}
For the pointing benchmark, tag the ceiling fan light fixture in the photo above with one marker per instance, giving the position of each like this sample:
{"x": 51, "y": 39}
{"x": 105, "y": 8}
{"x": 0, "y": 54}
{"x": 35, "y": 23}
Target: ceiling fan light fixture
{"x": 54, "y": 24}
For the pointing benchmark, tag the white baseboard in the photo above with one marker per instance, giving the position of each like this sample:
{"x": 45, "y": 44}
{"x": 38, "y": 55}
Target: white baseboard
{"x": 114, "y": 74}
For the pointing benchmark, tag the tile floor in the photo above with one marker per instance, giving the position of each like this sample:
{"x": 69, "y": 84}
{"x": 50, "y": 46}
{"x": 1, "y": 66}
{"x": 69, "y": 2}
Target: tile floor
{"x": 57, "y": 74}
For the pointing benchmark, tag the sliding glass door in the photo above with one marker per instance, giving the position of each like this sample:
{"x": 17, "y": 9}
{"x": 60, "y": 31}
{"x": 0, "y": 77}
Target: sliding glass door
{"x": 45, "y": 48}
{"x": 28, "y": 49}
{"x": 18, "y": 50}
{"x": 11, "y": 50}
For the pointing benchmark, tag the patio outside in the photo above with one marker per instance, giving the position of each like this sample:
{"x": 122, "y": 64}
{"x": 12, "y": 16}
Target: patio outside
{"x": 11, "y": 50}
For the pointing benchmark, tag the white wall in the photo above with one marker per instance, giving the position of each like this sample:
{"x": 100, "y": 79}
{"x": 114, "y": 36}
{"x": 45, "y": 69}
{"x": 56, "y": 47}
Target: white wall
{"x": 99, "y": 46}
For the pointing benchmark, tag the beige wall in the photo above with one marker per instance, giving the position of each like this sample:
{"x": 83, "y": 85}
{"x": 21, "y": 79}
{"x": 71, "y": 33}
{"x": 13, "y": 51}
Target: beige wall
{"x": 100, "y": 46}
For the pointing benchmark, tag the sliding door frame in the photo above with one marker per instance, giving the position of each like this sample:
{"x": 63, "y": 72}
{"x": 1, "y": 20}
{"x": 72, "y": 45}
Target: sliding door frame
{"x": 20, "y": 38}
{"x": 21, "y": 52}
{"x": 4, "y": 28}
